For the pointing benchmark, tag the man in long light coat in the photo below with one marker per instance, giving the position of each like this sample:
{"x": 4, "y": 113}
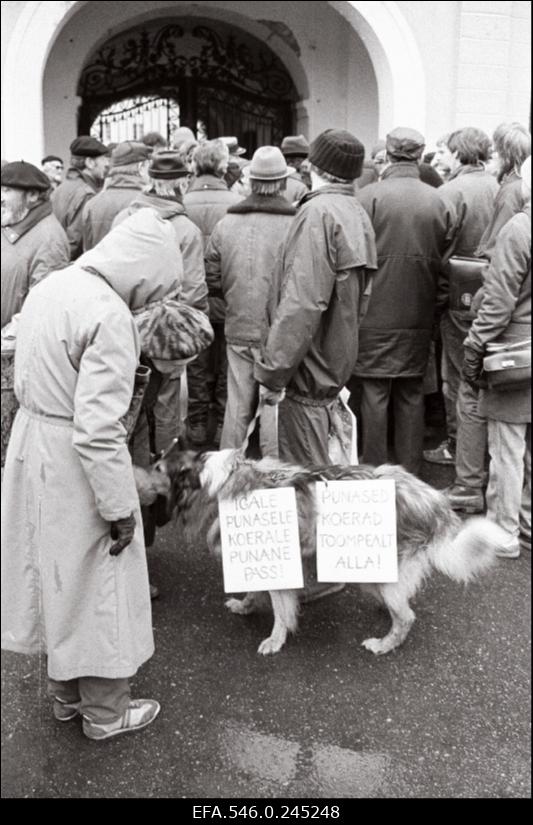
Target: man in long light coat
{"x": 68, "y": 589}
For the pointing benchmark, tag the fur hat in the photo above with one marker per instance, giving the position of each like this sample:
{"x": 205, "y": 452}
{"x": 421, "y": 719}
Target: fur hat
{"x": 22, "y": 175}
{"x": 338, "y": 153}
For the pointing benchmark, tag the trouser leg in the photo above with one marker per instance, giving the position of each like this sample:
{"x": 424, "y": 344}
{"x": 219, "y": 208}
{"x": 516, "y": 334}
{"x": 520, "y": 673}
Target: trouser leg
{"x": 167, "y": 412}
{"x": 471, "y": 439}
{"x": 507, "y": 448}
{"x": 525, "y": 509}
{"x": 303, "y": 433}
{"x": 408, "y": 401}
{"x": 451, "y": 363}
{"x": 199, "y": 380}
{"x": 67, "y": 692}
{"x": 242, "y": 396}
{"x": 221, "y": 374}
{"x": 103, "y": 700}
{"x": 375, "y": 395}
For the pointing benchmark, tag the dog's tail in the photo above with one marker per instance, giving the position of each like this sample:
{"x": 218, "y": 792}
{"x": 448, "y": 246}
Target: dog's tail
{"x": 471, "y": 552}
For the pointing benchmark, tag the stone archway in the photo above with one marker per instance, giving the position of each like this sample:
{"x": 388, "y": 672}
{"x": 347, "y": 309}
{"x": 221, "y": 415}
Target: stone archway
{"x": 218, "y": 74}
{"x": 380, "y": 25}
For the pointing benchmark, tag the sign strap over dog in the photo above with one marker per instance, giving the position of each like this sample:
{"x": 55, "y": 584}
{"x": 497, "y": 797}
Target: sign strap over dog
{"x": 356, "y": 531}
{"x": 260, "y": 541}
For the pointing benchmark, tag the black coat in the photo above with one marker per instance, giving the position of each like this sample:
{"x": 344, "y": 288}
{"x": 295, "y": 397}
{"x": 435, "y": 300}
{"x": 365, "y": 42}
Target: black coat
{"x": 413, "y": 227}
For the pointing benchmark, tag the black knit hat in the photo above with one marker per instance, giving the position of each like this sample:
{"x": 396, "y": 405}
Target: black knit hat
{"x": 339, "y": 153}
{"x": 22, "y": 175}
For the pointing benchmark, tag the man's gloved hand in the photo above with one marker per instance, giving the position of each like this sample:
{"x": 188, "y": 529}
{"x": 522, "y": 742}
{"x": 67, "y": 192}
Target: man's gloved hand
{"x": 270, "y": 397}
{"x": 122, "y": 534}
{"x": 473, "y": 367}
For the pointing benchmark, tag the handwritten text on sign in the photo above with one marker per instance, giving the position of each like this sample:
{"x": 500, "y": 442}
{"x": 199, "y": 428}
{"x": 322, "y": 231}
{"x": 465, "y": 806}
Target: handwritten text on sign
{"x": 356, "y": 531}
{"x": 260, "y": 543}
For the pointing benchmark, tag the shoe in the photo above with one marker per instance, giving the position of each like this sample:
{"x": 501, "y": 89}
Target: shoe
{"x": 467, "y": 499}
{"x": 197, "y": 434}
{"x": 319, "y": 590}
{"x": 138, "y": 715}
{"x": 509, "y": 551}
{"x": 65, "y": 711}
{"x": 443, "y": 454}
{"x": 154, "y": 592}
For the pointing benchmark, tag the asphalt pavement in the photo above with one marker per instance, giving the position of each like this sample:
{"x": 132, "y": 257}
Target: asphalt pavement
{"x": 445, "y": 716}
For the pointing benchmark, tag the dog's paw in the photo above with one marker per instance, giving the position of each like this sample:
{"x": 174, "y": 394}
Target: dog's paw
{"x": 375, "y": 646}
{"x": 269, "y": 646}
{"x": 239, "y": 606}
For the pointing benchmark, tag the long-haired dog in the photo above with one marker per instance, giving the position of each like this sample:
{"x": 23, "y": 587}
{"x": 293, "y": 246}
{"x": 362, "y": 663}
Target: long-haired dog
{"x": 430, "y": 536}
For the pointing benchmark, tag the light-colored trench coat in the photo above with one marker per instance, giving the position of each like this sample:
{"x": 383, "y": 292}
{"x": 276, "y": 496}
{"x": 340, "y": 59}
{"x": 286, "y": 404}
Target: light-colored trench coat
{"x": 68, "y": 471}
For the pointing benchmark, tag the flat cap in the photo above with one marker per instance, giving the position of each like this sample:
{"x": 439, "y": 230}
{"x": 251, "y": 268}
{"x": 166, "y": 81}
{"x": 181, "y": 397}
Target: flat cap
{"x": 405, "y": 144}
{"x": 87, "y": 147}
{"x": 130, "y": 151}
{"x": 167, "y": 165}
{"x": 22, "y": 175}
{"x": 295, "y": 145}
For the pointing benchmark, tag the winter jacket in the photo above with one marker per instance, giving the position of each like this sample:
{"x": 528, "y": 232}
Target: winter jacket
{"x": 505, "y": 312}
{"x": 100, "y": 212}
{"x": 68, "y": 201}
{"x": 193, "y": 290}
{"x": 68, "y": 471}
{"x": 242, "y": 265}
{"x": 30, "y": 250}
{"x": 313, "y": 342}
{"x": 508, "y": 202}
{"x": 413, "y": 229}
{"x": 472, "y": 191}
{"x": 206, "y": 202}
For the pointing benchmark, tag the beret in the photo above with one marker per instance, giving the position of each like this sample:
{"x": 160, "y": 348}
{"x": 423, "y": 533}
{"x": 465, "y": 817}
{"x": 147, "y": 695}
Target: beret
{"x": 22, "y": 175}
{"x": 88, "y": 147}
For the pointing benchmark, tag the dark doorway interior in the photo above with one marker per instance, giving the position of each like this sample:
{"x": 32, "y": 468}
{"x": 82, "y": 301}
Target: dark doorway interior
{"x": 220, "y": 76}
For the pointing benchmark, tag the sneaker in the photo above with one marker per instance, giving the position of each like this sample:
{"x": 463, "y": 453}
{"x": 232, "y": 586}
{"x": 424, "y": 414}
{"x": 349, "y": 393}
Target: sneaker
{"x": 319, "y": 590}
{"x": 443, "y": 454}
{"x": 197, "y": 434}
{"x": 509, "y": 551}
{"x": 65, "y": 711}
{"x": 139, "y": 714}
{"x": 467, "y": 499}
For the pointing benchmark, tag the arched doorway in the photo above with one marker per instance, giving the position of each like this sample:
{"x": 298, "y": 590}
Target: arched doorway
{"x": 221, "y": 77}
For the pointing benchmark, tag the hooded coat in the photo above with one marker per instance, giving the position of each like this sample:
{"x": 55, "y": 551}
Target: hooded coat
{"x": 68, "y": 471}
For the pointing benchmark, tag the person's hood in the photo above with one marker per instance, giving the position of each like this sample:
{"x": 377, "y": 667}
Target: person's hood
{"x": 139, "y": 259}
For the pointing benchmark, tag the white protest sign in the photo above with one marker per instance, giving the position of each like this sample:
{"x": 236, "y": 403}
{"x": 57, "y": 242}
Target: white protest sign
{"x": 356, "y": 531}
{"x": 260, "y": 542}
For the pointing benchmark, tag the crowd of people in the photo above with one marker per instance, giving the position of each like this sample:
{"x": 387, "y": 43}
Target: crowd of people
{"x": 395, "y": 276}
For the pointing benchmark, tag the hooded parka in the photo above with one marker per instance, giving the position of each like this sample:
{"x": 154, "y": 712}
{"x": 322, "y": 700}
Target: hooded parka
{"x": 68, "y": 471}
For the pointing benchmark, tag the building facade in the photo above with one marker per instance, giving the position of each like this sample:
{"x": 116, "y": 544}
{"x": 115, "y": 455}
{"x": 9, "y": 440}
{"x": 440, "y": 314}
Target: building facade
{"x": 261, "y": 69}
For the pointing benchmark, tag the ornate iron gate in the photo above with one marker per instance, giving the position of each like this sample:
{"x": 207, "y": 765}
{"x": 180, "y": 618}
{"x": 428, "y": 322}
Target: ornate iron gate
{"x": 223, "y": 77}
{"x": 132, "y": 118}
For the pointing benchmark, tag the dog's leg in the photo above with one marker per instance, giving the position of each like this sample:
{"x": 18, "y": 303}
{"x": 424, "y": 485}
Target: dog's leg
{"x": 244, "y": 606}
{"x": 285, "y": 607}
{"x": 402, "y": 616}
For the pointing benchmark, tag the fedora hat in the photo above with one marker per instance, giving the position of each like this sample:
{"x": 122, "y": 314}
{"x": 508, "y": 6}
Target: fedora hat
{"x": 167, "y": 165}
{"x": 233, "y": 145}
{"x": 295, "y": 145}
{"x": 268, "y": 164}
